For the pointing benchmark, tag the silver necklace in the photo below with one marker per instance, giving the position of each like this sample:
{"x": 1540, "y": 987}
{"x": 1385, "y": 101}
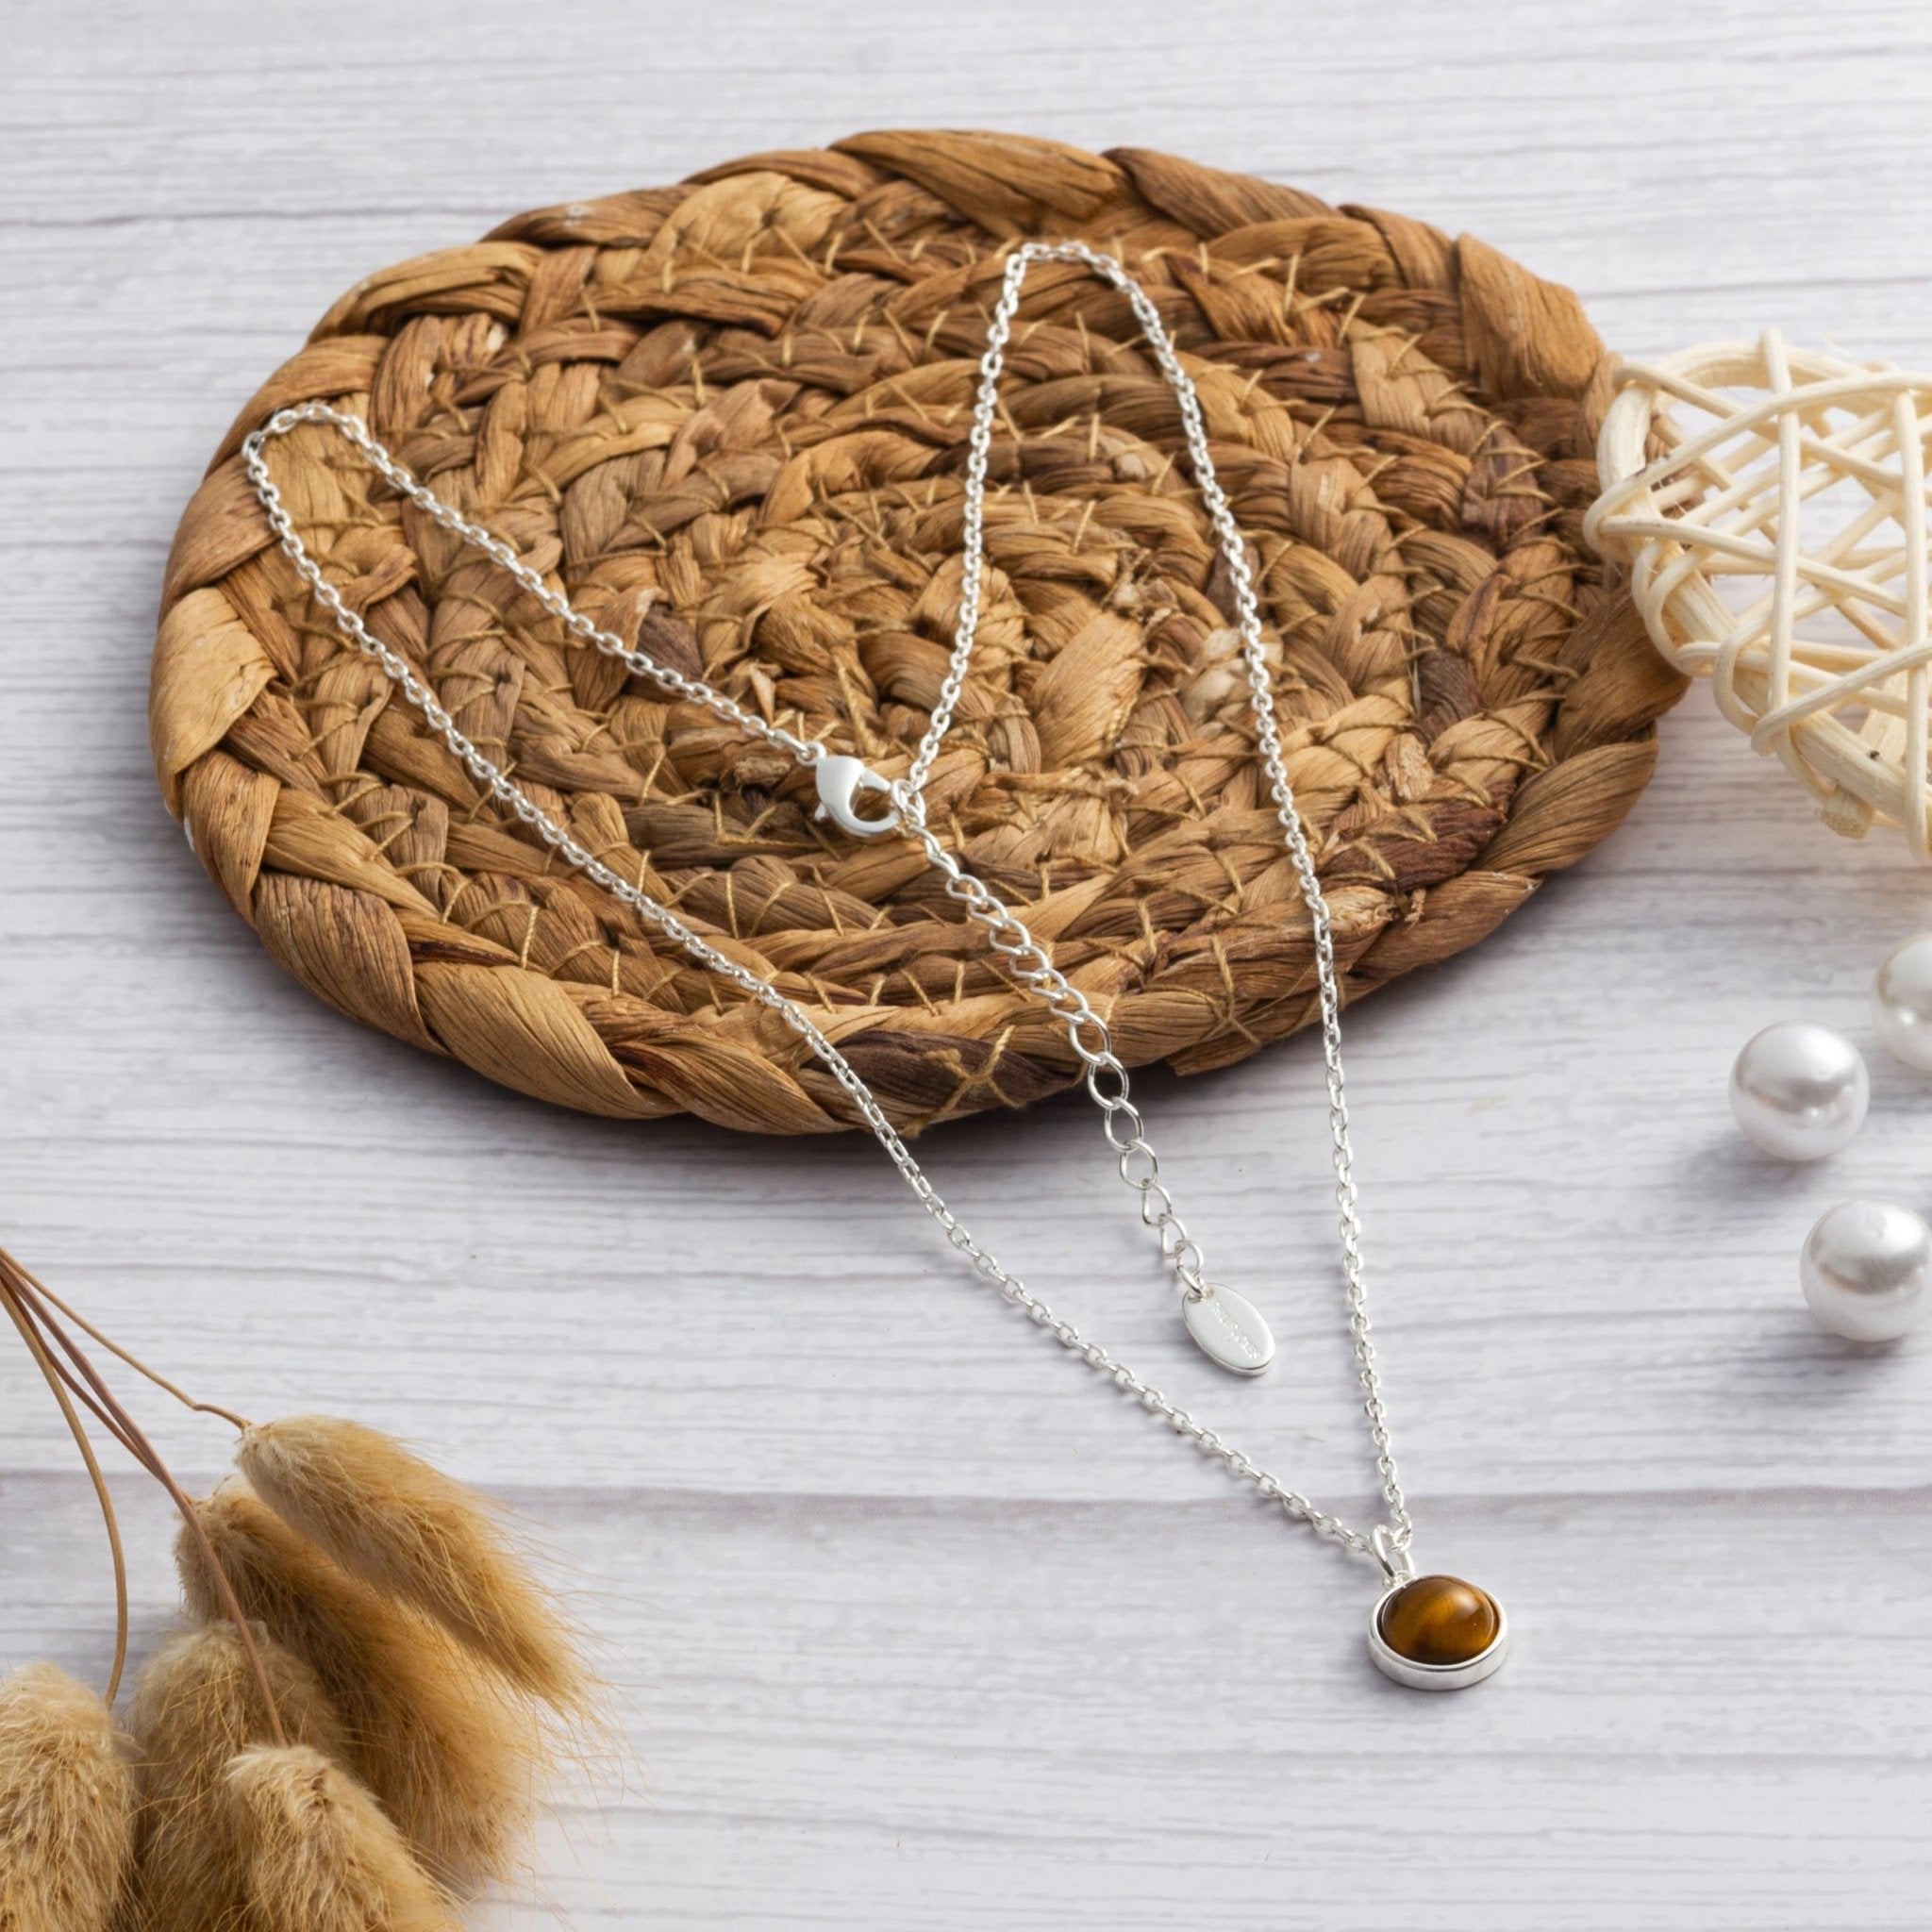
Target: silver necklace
{"x": 1431, "y": 1632}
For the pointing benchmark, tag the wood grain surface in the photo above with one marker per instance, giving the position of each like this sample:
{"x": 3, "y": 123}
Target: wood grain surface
{"x": 917, "y": 1629}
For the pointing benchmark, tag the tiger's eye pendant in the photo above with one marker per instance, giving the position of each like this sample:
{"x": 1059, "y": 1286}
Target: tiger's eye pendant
{"x": 1437, "y": 1633}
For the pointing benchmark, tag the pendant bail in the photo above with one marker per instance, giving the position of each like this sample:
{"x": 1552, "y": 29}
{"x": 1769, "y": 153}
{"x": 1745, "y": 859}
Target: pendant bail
{"x": 840, "y": 779}
{"x": 1398, "y": 1565}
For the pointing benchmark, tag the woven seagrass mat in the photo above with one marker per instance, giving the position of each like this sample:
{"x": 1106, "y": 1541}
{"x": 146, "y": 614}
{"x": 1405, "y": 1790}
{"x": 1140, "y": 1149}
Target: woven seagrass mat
{"x": 729, "y": 418}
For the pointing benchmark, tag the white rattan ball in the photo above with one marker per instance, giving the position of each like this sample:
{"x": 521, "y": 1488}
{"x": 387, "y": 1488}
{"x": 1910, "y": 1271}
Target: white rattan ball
{"x": 1770, "y": 506}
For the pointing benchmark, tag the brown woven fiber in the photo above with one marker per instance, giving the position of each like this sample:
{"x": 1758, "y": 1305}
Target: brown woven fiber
{"x": 729, "y": 418}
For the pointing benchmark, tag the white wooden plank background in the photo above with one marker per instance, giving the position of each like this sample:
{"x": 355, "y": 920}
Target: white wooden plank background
{"x": 915, "y": 1629}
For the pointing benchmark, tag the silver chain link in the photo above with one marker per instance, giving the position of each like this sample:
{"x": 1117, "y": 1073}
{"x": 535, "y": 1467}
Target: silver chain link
{"x": 1025, "y": 960}
{"x": 804, "y": 750}
{"x": 1107, "y": 1081}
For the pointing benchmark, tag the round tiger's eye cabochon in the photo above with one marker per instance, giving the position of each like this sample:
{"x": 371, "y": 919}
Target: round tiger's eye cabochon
{"x": 1440, "y": 1620}
{"x": 729, "y": 418}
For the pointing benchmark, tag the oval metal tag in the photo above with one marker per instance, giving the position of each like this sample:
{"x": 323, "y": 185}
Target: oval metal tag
{"x": 1229, "y": 1329}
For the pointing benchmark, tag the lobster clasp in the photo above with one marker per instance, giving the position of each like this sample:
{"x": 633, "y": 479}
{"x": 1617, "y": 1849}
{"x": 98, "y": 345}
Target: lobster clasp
{"x": 840, "y": 782}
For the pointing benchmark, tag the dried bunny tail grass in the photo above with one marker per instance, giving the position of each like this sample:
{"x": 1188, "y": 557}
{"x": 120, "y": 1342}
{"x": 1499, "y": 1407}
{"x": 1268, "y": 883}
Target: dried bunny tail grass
{"x": 66, "y": 1806}
{"x": 318, "y": 1853}
{"x": 452, "y": 1757}
{"x": 198, "y": 1704}
{"x": 390, "y": 1518}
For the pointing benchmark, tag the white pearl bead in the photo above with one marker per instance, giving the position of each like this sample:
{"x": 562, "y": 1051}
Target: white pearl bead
{"x": 1901, "y": 1001}
{"x": 1867, "y": 1268}
{"x": 1800, "y": 1091}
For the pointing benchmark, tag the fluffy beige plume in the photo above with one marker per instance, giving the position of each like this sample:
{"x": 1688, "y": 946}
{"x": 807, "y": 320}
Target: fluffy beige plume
{"x": 395, "y": 1522}
{"x": 451, "y": 1755}
{"x": 317, "y": 1854}
{"x": 66, "y": 1806}
{"x": 197, "y": 1705}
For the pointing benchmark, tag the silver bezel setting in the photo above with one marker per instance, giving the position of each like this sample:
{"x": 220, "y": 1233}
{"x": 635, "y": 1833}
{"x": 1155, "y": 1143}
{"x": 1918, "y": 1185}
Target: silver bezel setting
{"x": 1392, "y": 1663}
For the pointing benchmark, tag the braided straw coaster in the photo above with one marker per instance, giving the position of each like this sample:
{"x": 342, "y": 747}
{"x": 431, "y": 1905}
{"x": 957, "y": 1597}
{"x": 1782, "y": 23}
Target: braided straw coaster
{"x": 729, "y": 420}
